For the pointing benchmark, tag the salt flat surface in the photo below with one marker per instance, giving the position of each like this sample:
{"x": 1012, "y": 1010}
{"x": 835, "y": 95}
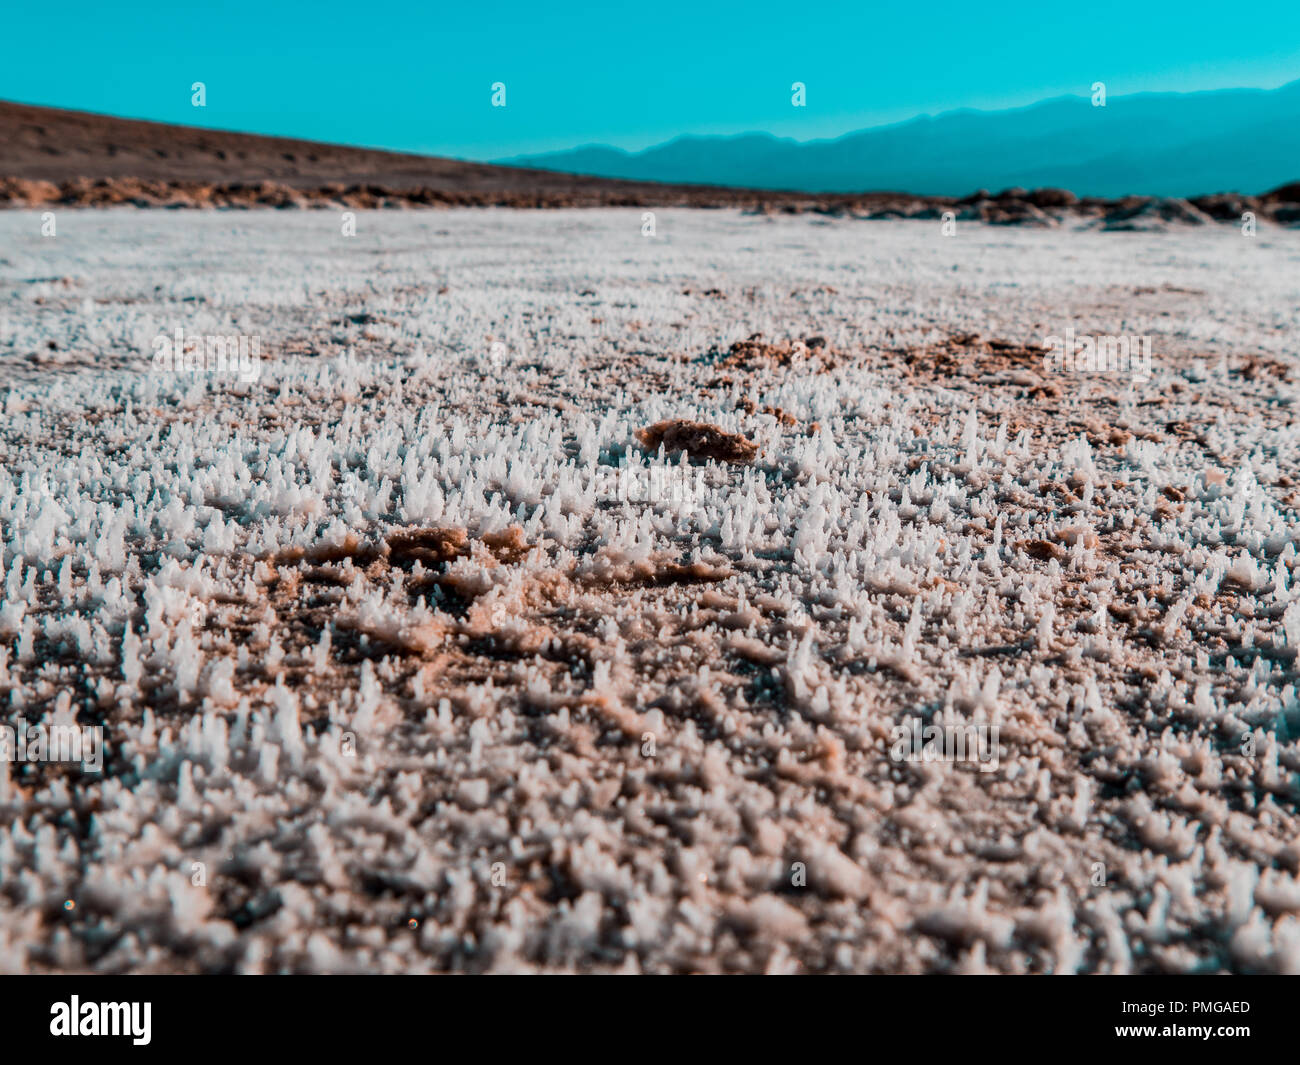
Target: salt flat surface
{"x": 651, "y": 728}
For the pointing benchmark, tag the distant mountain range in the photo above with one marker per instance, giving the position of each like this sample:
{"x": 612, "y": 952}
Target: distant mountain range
{"x": 1154, "y": 144}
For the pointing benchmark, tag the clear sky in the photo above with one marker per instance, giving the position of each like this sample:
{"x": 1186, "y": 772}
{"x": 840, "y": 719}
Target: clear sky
{"x": 419, "y": 77}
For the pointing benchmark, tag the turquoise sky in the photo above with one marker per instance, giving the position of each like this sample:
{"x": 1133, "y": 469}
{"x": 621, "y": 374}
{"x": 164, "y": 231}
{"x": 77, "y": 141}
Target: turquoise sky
{"x": 419, "y": 78}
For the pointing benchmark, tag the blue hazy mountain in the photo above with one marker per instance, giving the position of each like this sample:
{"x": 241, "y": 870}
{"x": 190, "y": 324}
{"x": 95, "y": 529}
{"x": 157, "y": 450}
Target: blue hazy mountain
{"x": 1160, "y": 144}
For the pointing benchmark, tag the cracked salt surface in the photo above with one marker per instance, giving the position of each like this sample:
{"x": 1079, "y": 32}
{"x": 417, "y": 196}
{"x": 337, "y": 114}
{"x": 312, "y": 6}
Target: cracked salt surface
{"x": 395, "y": 672}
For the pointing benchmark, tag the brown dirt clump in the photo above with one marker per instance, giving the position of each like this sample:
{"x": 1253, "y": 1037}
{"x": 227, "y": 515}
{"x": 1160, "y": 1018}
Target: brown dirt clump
{"x": 432, "y": 547}
{"x": 754, "y": 353}
{"x": 508, "y": 545}
{"x": 351, "y": 548}
{"x": 699, "y": 440}
{"x": 1044, "y": 550}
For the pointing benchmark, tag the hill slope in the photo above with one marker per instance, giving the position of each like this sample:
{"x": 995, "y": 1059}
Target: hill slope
{"x": 48, "y": 144}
